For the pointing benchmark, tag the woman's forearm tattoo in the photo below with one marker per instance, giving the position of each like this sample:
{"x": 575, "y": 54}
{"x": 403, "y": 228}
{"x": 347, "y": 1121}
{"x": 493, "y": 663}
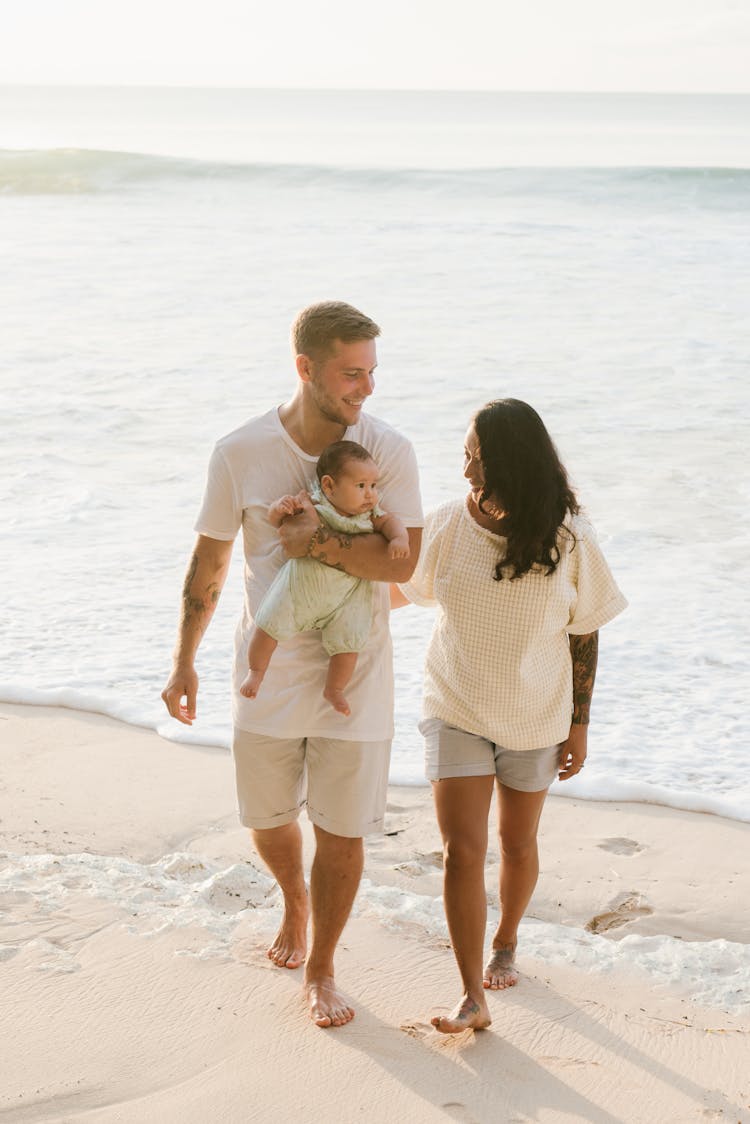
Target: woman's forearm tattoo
{"x": 585, "y": 652}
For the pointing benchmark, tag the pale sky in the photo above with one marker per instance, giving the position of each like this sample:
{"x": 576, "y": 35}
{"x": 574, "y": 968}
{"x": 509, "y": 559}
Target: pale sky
{"x": 641, "y": 45}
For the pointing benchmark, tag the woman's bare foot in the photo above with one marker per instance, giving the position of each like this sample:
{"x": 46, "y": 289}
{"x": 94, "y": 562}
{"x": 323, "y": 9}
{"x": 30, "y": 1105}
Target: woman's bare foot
{"x": 251, "y": 683}
{"x": 500, "y": 971}
{"x": 327, "y": 1006}
{"x": 337, "y": 699}
{"x": 289, "y": 948}
{"x": 466, "y": 1015}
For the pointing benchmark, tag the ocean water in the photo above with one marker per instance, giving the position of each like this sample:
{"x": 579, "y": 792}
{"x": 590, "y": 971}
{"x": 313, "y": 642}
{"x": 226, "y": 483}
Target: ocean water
{"x": 586, "y": 253}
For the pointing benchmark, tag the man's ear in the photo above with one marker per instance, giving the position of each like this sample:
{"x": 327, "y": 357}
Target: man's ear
{"x": 303, "y": 363}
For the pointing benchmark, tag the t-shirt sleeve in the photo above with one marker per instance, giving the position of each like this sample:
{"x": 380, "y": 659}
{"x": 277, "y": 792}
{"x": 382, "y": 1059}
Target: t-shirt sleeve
{"x": 598, "y": 598}
{"x": 220, "y": 516}
{"x": 400, "y": 489}
{"x": 420, "y": 588}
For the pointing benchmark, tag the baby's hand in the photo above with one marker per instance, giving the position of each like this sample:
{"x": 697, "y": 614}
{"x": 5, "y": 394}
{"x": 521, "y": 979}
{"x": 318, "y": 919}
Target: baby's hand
{"x": 287, "y": 505}
{"x": 398, "y": 548}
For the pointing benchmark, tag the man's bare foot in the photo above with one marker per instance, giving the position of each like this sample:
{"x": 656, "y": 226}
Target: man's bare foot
{"x": 327, "y": 1006}
{"x": 337, "y": 700}
{"x": 466, "y": 1015}
{"x": 500, "y": 971}
{"x": 289, "y": 948}
{"x": 251, "y": 683}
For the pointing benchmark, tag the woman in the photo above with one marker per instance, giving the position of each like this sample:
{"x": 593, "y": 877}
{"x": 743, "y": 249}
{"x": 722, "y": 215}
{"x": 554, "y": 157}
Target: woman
{"x": 522, "y": 589}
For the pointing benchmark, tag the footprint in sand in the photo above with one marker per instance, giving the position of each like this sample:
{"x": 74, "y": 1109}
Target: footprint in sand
{"x": 412, "y": 868}
{"x": 620, "y": 846}
{"x": 627, "y": 908}
{"x": 422, "y": 863}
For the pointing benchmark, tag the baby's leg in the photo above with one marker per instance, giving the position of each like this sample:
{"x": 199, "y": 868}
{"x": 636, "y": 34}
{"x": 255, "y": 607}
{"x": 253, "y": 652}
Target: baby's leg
{"x": 340, "y": 670}
{"x": 262, "y": 647}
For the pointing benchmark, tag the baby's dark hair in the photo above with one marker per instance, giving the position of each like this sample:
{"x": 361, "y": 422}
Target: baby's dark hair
{"x": 334, "y": 457}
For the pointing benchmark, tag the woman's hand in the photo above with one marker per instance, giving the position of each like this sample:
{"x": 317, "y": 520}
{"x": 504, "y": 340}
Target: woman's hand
{"x": 573, "y": 752}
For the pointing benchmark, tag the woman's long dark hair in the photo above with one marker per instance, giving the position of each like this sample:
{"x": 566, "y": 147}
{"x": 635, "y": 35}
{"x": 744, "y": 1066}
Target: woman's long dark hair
{"x": 524, "y": 476}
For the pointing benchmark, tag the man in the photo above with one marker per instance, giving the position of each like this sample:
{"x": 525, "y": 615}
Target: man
{"x": 290, "y": 747}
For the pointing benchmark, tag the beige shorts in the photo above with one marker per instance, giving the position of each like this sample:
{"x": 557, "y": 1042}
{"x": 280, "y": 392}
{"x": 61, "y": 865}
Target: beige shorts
{"x": 450, "y": 752}
{"x": 343, "y": 784}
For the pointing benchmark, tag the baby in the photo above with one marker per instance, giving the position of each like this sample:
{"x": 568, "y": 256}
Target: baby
{"x": 306, "y": 594}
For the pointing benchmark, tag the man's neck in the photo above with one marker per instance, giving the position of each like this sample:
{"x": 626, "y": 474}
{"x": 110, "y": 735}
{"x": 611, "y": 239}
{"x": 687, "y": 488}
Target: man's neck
{"x": 307, "y": 427}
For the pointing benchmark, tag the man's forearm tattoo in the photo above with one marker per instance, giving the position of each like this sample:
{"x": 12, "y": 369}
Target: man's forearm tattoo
{"x": 196, "y": 610}
{"x": 585, "y": 652}
{"x": 326, "y": 534}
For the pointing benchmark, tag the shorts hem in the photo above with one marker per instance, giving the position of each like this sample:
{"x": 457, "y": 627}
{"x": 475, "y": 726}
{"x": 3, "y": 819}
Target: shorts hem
{"x": 373, "y": 827}
{"x": 526, "y": 788}
{"x": 446, "y": 772}
{"x": 262, "y": 823}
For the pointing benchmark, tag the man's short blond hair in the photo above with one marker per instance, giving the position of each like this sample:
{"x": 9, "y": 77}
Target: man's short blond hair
{"x": 319, "y": 325}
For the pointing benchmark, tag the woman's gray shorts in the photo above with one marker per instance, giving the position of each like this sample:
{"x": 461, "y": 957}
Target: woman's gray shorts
{"x": 450, "y": 752}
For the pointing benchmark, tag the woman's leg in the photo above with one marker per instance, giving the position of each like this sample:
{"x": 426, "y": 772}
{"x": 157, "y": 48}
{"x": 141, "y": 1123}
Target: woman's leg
{"x": 518, "y": 814}
{"x": 462, "y": 805}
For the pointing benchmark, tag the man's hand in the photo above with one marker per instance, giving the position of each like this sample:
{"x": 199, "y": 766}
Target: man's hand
{"x": 296, "y": 531}
{"x": 182, "y": 684}
{"x": 573, "y": 752}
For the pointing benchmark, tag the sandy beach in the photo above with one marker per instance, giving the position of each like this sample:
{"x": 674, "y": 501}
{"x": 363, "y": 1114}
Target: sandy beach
{"x": 135, "y": 918}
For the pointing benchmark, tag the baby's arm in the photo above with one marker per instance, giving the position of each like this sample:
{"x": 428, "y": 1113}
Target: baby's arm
{"x": 392, "y": 529}
{"x": 280, "y": 509}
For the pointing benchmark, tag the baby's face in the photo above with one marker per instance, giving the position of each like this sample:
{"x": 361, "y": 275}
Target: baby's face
{"x": 355, "y": 489}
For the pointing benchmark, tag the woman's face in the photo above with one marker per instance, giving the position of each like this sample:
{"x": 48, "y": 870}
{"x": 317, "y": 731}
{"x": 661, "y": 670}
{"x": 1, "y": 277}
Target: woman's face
{"x": 473, "y": 470}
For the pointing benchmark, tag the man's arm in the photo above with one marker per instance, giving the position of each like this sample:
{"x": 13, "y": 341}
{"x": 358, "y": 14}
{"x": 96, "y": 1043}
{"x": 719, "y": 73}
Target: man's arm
{"x": 362, "y": 556}
{"x": 584, "y": 651}
{"x": 204, "y": 582}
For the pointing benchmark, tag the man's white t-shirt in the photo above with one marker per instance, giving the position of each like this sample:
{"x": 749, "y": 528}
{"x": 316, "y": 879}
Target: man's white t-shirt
{"x": 249, "y": 469}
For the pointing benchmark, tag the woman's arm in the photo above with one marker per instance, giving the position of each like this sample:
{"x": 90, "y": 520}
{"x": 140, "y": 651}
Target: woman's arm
{"x": 398, "y": 600}
{"x": 584, "y": 651}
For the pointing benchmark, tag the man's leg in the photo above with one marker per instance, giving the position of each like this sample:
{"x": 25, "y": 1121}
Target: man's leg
{"x": 335, "y": 876}
{"x": 346, "y": 793}
{"x": 270, "y": 775}
{"x": 281, "y": 851}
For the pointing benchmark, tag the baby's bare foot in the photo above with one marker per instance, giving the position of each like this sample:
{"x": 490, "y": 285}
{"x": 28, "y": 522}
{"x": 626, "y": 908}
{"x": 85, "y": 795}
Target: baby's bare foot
{"x": 337, "y": 699}
{"x": 327, "y": 1006}
{"x": 466, "y": 1015}
{"x": 289, "y": 948}
{"x": 251, "y": 683}
{"x": 500, "y": 971}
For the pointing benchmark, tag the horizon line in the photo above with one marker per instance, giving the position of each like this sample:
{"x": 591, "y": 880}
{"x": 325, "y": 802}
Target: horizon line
{"x": 367, "y": 89}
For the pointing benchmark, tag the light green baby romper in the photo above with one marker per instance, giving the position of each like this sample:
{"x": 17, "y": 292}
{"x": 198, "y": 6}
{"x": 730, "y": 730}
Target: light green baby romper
{"x": 306, "y": 594}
